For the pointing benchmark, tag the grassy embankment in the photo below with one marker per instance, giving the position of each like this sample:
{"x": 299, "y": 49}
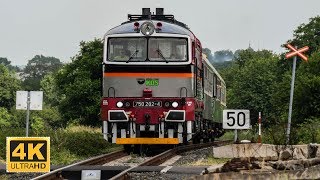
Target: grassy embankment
{"x": 67, "y": 145}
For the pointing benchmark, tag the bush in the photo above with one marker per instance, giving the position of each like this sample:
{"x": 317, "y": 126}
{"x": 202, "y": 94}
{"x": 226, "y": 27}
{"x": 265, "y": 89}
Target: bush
{"x": 86, "y": 143}
{"x": 8, "y": 132}
{"x": 50, "y": 116}
{"x": 37, "y": 125}
{"x": 5, "y": 118}
{"x": 309, "y": 131}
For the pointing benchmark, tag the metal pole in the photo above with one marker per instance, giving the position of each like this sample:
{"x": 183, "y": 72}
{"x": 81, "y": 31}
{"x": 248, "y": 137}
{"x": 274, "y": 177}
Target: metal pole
{"x": 235, "y": 135}
{"x": 291, "y": 97}
{"x": 28, "y": 114}
{"x": 259, "y": 137}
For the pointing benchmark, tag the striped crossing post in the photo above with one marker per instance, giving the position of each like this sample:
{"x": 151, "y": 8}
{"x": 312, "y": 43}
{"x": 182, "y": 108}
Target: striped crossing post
{"x": 259, "y": 121}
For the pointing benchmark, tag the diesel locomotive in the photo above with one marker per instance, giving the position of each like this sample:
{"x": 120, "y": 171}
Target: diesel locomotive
{"x": 158, "y": 87}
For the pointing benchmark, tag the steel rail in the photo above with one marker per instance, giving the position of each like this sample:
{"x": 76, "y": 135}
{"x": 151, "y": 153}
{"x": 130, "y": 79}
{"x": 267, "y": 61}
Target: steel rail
{"x": 98, "y": 160}
{"x": 160, "y": 158}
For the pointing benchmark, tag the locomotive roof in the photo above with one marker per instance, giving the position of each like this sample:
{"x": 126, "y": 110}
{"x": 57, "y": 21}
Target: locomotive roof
{"x": 167, "y": 27}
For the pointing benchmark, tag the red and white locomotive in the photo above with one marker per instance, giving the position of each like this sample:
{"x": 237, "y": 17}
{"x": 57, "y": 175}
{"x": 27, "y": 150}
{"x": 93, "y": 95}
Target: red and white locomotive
{"x": 158, "y": 88}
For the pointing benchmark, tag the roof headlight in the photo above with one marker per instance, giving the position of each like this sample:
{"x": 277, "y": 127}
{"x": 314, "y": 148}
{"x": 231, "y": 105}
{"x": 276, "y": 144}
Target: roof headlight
{"x": 147, "y": 28}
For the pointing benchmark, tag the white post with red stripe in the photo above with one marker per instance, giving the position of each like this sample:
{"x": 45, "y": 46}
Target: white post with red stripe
{"x": 259, "y": 137}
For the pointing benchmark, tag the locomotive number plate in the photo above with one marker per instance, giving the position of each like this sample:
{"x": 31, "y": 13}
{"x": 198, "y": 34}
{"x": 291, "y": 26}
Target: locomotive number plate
{"x": 152, "y": 82}
{"x": 147, "y": 104}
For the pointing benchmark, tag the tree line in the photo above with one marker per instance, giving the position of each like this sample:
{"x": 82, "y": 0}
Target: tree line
{"x": 256, "y": 80}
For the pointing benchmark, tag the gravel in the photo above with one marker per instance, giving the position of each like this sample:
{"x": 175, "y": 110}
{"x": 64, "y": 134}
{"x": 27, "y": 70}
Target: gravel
{"x": 193, "y": 156}
{"x": 20, "y": 176}
{"x": 157, "y": 176}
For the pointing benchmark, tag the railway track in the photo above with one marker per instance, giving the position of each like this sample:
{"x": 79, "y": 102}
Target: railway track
{"x": 98, "y": 160}
{"x": 160, "y": 158}
{"x": 123, "y": 174}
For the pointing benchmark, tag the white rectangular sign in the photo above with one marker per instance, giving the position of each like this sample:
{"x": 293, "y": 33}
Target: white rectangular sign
{"x": 21, "y": 100}
{"x": 236, "y": 119}
{"x": 36, "y": 98}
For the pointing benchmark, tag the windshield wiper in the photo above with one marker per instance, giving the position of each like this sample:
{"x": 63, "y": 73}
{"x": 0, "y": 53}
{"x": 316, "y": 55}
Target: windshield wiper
{"x": 161, "y": 55}
{"x": 132, "y": 55}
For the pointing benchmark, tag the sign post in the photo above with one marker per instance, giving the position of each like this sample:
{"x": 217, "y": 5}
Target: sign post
{"x": 295, "y": 52}
{"x": 29, "y": 100}
{"x": 28, "y": 114}
{"x": 236, "y": 119}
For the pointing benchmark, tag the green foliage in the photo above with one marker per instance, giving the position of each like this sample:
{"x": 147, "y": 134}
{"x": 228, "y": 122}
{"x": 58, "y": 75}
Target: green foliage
{"x": 309, "y": 131}
{"x": 7, "y": 63}
{"x": 222, "y": 65}
{"x": 307, "y": 90}
{"x": 307, "y": 35}
{"x": 251, "y": 85}
{"x": 9, "y": 84}
{"x": 37, "y": 125}
{"x": 79, "y": 83}
{"x": 244, "y": 55}
{"x": 8, "y": 132}
{"x": 275, "y": 134}
{"x": 76, "y": 143}
{"x": 50, "y": 116}
{"x": 5, "y": 118}
{"x": 67, "y": 145}
{"x": 50, "y": 93}
{"x": 37, "y": 68}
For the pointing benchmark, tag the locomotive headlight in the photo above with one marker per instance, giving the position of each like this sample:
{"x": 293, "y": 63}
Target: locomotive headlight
{"x": 175, "y": 104}
{"x": 119, "y": 104}
{"x": 147, "y": 28}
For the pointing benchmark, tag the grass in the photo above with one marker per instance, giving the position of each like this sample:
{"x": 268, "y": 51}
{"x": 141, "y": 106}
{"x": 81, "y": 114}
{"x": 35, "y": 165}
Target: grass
{"x": 4, "y": 177}
{"x": 68, "y": 145}
{"x": 209, "y": 161}
{"x": 242, "y": 135}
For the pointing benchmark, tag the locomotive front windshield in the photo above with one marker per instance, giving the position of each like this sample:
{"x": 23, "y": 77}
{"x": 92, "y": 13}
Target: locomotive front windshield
{"x": 168, "y": 49}
{"x": 151, "y": 49}
{"x": 125, "y": 49}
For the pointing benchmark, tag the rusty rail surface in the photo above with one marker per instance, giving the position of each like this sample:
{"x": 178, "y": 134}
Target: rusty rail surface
{"x": 98, "y": 160}
{"x": 160, "y": 158}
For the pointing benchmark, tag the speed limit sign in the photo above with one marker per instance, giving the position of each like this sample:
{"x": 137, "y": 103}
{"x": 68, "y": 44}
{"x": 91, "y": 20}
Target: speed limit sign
{"x": 236, "y": 119}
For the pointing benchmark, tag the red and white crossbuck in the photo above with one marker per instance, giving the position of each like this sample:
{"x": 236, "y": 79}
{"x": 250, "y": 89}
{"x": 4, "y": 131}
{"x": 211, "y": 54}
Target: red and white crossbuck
{"x": 297, "y": 52}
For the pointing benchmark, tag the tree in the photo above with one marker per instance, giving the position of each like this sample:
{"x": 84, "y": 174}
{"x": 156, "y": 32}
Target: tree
{"x": 50, "y": 91}
{"x": 244, "y": 55}
{"x": 252, "y": 86}
{"x": 307, "y": 35}
{"x": 4, "y": 61}
{"x": 37, "y": 68}
{"x": 79, "y": 85}
{"x": 223, "y": 55}
{"x": 307, "y": 90}
{"x": 7, "y": 63}
{"x": 208, "y": 53}
{"x": 9, "y": 84}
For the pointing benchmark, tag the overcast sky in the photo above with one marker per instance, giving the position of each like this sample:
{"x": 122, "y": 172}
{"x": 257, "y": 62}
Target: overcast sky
{"x": 55, "y": 28}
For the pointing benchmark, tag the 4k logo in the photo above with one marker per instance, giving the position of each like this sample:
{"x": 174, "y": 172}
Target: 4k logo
{"x": 28, "y": 154}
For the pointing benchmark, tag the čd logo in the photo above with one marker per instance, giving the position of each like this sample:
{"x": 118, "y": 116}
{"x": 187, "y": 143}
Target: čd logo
{"x": 28, "y": 154}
